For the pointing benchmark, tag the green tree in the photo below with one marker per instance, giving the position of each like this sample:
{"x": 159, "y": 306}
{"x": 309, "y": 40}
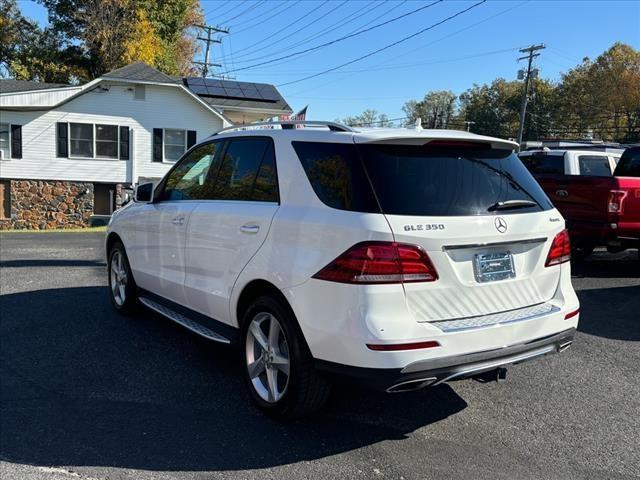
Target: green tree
{"x": 602, "y": 97}
{"x": 435, "y": 110}
{"x": 368, "y": 118}
{"x": 28, "y": 52}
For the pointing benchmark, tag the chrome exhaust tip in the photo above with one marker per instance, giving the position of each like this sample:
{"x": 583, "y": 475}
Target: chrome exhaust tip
{"x": 564, "y": 346}
{"x": 411, "y": 385}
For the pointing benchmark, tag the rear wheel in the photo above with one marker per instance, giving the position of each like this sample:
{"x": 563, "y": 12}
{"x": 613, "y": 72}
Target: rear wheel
{"x": 278, "y": 367}
{"x": 122, "y": 287}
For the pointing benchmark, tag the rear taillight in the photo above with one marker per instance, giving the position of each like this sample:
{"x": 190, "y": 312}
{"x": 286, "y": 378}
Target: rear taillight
{"x": 615, "y": 204}
{"x": 380, "y": 262}
{"x": 560, "y": 251}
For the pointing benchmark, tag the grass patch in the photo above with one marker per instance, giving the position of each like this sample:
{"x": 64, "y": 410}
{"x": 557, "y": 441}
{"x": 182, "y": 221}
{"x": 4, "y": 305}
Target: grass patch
{"x": 60, "y": 230}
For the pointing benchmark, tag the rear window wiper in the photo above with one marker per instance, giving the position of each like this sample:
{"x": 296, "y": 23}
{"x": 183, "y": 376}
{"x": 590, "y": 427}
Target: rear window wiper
{"x": 512, "y": 204}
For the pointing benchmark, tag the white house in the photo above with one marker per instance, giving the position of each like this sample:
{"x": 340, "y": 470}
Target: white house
{"x": 67, "y": 151}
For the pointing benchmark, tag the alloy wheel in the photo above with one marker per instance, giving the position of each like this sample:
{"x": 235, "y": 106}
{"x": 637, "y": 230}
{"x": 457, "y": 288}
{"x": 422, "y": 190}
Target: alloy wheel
{"x": 118, "y": 278}
{"x": 267, "y": 357}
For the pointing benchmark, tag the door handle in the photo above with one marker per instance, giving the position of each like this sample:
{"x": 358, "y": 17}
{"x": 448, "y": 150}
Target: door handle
{"x": 562, "y": 193}
{"x": 178, "y": 221}
{"x": 250, "y": 228}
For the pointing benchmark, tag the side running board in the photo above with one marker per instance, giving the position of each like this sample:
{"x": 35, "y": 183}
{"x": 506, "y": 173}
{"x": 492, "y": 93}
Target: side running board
{"x": 195, "y": 327}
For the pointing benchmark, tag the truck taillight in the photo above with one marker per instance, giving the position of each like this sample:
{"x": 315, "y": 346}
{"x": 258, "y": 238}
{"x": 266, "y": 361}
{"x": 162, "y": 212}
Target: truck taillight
{"x": 380, "y": 262}
{"x": 616, "y": 201}
{"x": 560, "y": 250}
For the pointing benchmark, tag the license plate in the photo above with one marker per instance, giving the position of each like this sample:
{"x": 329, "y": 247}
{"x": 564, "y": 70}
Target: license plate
{"x": 491, "y": 267}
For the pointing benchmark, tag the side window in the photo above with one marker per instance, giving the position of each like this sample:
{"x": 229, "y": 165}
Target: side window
{"x": 248, "y": 171}
{"x": 337, "y": 176}
{"x": 188, "y": 180}
{"x": 629, "y": 164}
{"x": 543, "y": 163}
{"x": 594, "y": 165}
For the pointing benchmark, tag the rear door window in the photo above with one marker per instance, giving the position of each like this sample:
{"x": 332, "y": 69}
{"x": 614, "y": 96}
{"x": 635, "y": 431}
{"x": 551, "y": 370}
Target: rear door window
{"x": 418, "y": 180}
{"x": 543, "y": 163}
{"x": 248, "y": 171}
{"x": 594, "y": 165}
{"x": 629, "y": 164}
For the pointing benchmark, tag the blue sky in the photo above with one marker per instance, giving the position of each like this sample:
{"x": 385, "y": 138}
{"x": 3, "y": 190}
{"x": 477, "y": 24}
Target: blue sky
{"x": 474, "y": 47}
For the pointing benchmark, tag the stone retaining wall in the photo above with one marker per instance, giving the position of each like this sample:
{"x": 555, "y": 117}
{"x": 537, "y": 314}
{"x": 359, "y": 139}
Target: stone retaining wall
{"x": 42, "y": 205}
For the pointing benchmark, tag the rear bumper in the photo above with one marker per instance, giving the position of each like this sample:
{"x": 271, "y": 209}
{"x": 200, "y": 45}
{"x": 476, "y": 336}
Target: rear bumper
{"x": 597, "y": 233}
{"x": 424, "y": 373}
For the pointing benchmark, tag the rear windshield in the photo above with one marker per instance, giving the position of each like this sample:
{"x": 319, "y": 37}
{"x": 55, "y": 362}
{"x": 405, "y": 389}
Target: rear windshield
{"x": 594, "y": 165}
{"x": 417, "y": 180}
{"x": 543, "y": 163}
{"x": 629, "y": 164}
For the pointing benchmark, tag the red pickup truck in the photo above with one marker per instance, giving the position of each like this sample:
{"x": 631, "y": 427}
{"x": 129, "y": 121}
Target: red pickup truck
{"x": 600, "y": 209}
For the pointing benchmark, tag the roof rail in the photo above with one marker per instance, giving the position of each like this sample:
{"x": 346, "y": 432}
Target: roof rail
{"x": 289, "y": 124}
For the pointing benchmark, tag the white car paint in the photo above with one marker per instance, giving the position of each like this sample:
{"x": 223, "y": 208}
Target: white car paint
{"x": 301, "y": 235}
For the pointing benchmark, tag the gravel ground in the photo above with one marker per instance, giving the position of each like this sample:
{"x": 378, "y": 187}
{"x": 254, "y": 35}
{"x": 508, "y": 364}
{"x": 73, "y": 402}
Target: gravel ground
{"x": 86, "y": 394}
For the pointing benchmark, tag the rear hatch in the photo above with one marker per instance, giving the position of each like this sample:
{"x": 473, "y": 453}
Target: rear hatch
{"x": 480, "y": 216}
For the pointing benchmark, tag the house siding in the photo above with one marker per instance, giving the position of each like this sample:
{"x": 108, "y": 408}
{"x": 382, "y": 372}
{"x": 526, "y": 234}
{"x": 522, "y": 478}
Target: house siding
{"x": 163, "y": 107}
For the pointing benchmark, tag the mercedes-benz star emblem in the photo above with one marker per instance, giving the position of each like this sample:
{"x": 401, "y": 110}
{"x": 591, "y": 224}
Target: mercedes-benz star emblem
{"x": 501, "y": 224}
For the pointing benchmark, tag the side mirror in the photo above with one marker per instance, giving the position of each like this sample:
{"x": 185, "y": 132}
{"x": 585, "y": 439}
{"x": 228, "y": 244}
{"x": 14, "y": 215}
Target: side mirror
{"x": 144, "y": 193}
{"x": 126, "y": 198}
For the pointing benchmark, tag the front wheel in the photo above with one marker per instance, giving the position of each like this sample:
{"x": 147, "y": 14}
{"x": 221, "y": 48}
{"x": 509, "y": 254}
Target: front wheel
{"x": 278, "y": 368}
{"x": 122, "y": 287}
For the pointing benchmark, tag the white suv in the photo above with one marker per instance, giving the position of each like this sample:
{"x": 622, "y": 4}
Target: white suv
{"x": 401, "y": 258}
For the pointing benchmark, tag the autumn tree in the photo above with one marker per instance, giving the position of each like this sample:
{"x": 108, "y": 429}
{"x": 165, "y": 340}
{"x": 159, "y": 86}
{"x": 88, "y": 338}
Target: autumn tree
{"x": 113, "y": 33}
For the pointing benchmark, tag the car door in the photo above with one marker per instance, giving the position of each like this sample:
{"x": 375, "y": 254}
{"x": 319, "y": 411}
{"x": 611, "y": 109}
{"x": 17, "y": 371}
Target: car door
{"x": 227, "y": 230}
{"x": 162, "y": 226}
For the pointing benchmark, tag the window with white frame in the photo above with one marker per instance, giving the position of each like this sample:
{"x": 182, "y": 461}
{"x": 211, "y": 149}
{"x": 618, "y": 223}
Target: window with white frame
{"x": 88, "y": 140}
{"x": 4, "y": 141}
{"x": 175, "y": 143}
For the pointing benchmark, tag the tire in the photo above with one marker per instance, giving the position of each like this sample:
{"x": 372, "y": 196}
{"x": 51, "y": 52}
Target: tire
{"x": 122, "y": 286}
{"x": 300, "y": 393}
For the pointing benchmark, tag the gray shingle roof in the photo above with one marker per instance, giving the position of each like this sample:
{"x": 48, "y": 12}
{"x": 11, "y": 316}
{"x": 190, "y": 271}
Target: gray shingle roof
{"x": 140, "y": 71}
{"x": 10, "y": 86}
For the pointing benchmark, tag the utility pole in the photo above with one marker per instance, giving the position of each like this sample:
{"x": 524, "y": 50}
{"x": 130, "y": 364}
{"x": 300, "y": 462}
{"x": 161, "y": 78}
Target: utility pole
{"x": 209, "y": 40}
{"x": 530, "y": 51}
{"x": 468, "y": 123}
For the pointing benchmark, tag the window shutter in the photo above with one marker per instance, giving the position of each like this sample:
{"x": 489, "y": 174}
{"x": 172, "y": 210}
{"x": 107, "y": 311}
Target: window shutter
{"x": 157, "y": 144}
{"x": 16, "y": 141}
{"x": 63, "y": 146}
{"x": 124, "y": 143}
{"x": 191, "y": 138}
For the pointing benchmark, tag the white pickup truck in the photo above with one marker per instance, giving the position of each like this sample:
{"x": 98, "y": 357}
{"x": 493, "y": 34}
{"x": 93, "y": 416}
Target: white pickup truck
{"x": 571, "y": 162}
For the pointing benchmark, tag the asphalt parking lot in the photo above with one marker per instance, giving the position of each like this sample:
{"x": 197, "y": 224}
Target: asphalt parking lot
{"x": 87, "y": 394}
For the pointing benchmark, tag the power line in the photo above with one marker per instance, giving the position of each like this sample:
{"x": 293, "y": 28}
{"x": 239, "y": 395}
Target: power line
{"x": 386, "y": 47}
{"x": 277, "y": 11}
{"x": 253, "y": 50}
{"x": 226, "y": 12}
{"x": 404, "y": 65}
{"x": 419, "y": 48}
{"x": 260, "y": 2}
{"x": 325, "y": 31}
{"x": 340, "y": 39}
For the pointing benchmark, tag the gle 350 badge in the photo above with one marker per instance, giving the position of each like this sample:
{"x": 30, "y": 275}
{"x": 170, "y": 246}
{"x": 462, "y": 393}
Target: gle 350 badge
{"x": 423, "y": 226}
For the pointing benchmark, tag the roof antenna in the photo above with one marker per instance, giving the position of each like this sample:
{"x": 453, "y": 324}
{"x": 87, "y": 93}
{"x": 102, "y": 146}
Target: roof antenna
{"x": 418, "y": 125}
